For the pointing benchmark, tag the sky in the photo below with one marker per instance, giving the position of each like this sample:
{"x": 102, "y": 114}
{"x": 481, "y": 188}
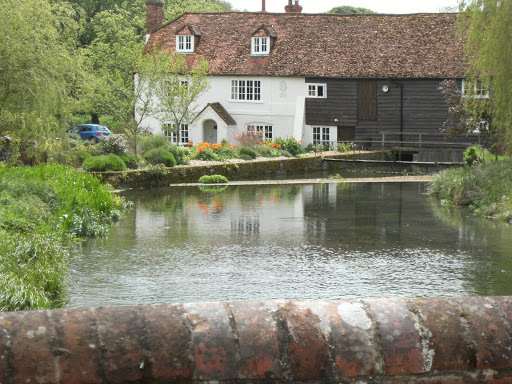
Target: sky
{"x": 321, "y": 6}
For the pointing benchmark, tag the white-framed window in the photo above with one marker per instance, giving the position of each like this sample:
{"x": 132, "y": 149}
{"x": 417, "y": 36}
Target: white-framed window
{"x": 184, "y": 43}
{"x": 170, "y": 133}
{"x": 321, "y": 135}
{"x": 479, "y": 89}
{"x": 316, "y": 90}
{"x": 266, "y": 130}
{"x": 245, "y": 90}
{"x": 260, "y": 45}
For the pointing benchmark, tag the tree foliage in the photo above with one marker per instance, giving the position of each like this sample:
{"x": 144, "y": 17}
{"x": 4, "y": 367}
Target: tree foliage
{"x": 487, "y": 27}
{"x": 349, "y": 10}
{"x": 39, "y": 75}
{"x": 179, "y": 89}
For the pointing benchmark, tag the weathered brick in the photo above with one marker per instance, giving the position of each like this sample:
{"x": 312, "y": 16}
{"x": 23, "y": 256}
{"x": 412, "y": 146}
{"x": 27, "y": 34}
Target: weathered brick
{"x": 447, "y": 334}
{"x": 352, "y": 337}
{"x": 400, "y": 338}
{"x": 121, "y": 333}
{"x": 308, "y": 348}
{"x": 258, "y": 340}
{"x": 169, "y": 339}
{"x": 77, "y": 351}
{"x": 214, "y": 347}
{"x": 488, "y": 329}
{"x": 31, "y": 336}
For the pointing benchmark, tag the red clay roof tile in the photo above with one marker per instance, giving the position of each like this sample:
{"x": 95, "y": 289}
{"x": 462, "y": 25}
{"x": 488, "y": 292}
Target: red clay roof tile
{"x": 325, "y": 45}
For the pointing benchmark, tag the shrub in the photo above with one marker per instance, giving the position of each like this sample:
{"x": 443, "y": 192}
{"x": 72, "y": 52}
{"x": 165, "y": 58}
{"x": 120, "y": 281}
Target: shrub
{"x": 470, "y": 156}
{"x": 160, "y": 156}
{"x": 290, "y": 145}
{"x": 131, "y": 161}
{"x": 225, "y": 151}
{"x": 156, "y": 171}
{"x": 248, "y": 138}
{"x": 104, "y": 164}
{"x": 206, "y": 154}
{"x": 246, "y": 157}
{"x": 182, "y": 155}
{"x": 248, "y": 152}
{"x": 112, "y": 144}
{"x": 154, "y": 141}
{"x": 213, "y": 179}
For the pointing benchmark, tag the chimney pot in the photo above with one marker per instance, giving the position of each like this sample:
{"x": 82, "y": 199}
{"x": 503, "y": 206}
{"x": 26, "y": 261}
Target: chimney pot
{"x": 293, "y": 8}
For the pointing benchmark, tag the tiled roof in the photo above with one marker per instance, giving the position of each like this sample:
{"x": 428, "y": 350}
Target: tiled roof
{"x": 220, "y": 111}
{"x": 419, "y": 45}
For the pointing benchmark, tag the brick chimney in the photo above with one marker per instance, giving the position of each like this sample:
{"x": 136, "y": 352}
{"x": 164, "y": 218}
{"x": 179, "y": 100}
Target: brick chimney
{"x": 263, "y": 6}
{"x": 154, "y": 15}
{"x": 293, "y": 7}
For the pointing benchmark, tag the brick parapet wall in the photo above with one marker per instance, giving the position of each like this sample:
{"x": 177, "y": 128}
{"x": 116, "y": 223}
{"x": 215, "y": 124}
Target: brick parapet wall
{"x": 434, "y": 340}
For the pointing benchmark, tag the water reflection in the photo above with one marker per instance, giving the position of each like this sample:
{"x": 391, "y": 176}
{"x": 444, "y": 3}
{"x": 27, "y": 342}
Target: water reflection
{"x": 311, "y": 241}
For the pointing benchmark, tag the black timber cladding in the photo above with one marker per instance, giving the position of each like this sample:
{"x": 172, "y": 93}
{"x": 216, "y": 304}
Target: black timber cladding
{"x": 420, "y": 109}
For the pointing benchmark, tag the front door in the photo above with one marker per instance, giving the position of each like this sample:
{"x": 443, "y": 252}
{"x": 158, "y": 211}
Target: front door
{"x": 210, "y": 131}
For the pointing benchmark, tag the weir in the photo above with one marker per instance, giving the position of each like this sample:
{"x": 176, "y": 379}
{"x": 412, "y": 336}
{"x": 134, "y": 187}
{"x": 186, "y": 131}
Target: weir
{"x": 421, "y": 340}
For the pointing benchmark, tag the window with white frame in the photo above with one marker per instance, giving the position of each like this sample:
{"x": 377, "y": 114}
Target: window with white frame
{"x": 265, "y": 130}
{"x": 184, "y": 43}
{"x": 321, "y": 135}
{"x": 170, "y": 133}
{"x": 245, "y": 90}
{"x": 479, "y": 89}
{"x": 316, "y": 90}
{"x": 260, "y": 45}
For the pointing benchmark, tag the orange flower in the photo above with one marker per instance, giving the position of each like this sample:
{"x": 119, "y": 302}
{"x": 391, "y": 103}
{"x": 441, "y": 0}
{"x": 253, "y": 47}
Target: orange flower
{"x": 265, "y": 147}
{"x": 215, "y": 146}
{"x": 262, "y": 143}
{"x": 189, "y": 144}
{"x": 300, "y": 141}
{"x": 228, "y": 145}
{"x": 234, "y": 146}
{"x": 200, "y": 149}
{"x": 272, "y": 144}
{"x": 277, "y": 145}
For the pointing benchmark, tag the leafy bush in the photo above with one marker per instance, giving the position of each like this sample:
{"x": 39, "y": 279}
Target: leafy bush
{"x": 207, "y": 155}
{"x": 246, "y": 157}
{"x": 248, "y": 152}
{"x": 160, "y": 156}
{"x": 290, "y": 145}
{"x": 131, "y": 161}
{"x": 112, "y": 144}
{"x": 104, "y": 163}
{"x": 269, "y": 150}
{"x": 470, "y": 156}
{"x": 225, "y": 151}
{"x": 153, "y": 142}
{"x": 213, "y": 179}
{"x": 181, "y": 154}
{"x": 156, "y": 171}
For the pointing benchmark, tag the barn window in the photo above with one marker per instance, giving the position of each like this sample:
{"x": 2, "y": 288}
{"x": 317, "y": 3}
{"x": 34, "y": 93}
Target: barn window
{"x": 367, "y": 100}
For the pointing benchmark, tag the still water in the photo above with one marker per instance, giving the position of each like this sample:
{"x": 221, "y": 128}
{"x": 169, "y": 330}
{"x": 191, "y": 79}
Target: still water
{"x": 311, "y": 241}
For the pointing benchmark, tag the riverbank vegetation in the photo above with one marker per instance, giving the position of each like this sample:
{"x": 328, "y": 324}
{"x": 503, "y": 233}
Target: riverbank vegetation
{"x": 485, "y": 188}
{"x": 42, "y": 209}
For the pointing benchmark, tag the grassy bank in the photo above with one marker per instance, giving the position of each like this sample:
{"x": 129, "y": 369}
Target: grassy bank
{"x": 42, "y": 209}
{"x": 485, "y": 188}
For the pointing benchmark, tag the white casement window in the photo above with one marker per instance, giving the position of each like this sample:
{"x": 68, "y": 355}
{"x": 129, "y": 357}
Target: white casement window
{"x": 264, "y": 129}
{"x": 316, "y": 90}
{"x": 321, "y": 135}
{"x": 245, "y": 90}
{"x": 170, "y": 133}
{"x": 184, "y": 43}
{"x": 479, "y": 90}
{"x": 260, "y": 45}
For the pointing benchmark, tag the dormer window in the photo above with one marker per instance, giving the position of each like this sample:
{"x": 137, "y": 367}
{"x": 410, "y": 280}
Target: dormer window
{"x": 184, "y": 43}
{"x": 260, "y": 45}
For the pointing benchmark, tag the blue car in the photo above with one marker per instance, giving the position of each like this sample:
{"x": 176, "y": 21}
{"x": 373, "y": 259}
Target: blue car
{"x": 91, "y": 132}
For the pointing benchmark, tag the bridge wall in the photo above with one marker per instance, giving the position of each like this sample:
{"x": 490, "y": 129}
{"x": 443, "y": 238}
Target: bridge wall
{"x": 434, "y": 340}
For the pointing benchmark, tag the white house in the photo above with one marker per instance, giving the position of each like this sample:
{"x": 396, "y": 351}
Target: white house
{"x": 315, "y": 77}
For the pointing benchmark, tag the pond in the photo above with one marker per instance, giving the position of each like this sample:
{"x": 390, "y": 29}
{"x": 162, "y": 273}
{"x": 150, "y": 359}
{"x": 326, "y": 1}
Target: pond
{"x": 307, "y": 241}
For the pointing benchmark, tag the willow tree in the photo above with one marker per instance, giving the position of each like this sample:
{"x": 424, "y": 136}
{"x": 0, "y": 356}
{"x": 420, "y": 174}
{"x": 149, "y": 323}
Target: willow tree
{"x": 487, "y": 27}
{"x": 39, "y": 68}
